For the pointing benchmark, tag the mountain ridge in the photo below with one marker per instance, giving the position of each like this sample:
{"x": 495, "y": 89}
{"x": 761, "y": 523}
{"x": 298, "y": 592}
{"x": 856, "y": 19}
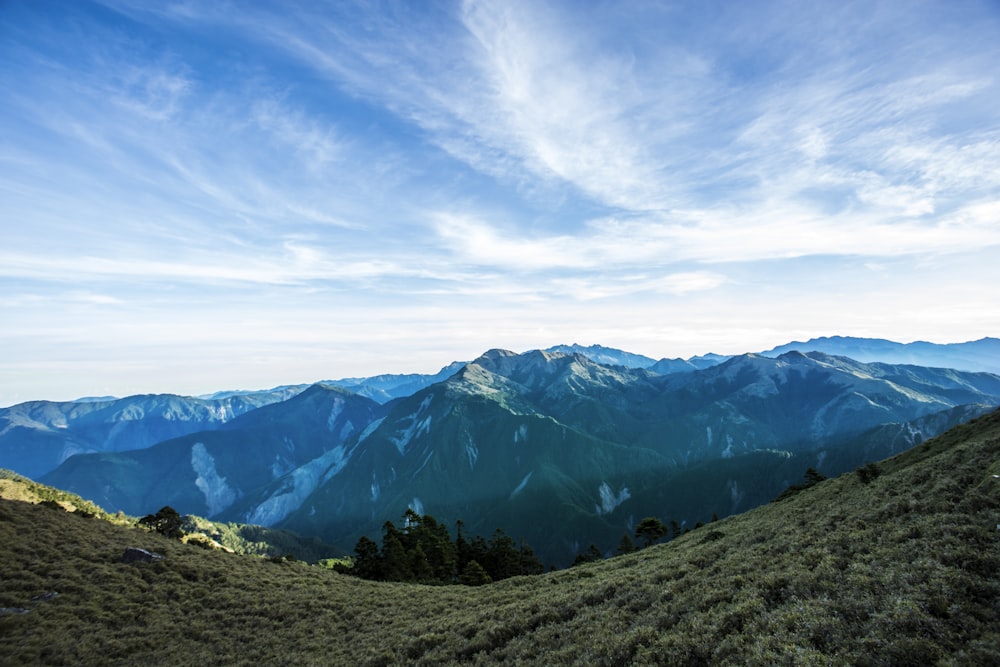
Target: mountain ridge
{"x": 896, "y": 566}
{"x": 598, "y": 444}
{"x": 206, "y": 472}
{"x": 510, "y": 432}
{"x": 977, "y": 355}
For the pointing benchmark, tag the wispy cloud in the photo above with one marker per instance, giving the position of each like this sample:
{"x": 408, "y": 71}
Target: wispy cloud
{"x": 639, "y": 175}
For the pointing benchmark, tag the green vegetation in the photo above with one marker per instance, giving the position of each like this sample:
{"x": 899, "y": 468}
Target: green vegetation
{"x": 650, "y": 530}
{"x": 898, "y": 569}
{"x": 867, "y": 472}
{"x": 254, "y": 540}
{"x": 423, "y": 552}
{"x": 237, "y": 538}
{"x": 812, "y": 477}
{"x": 17, "y": 487}
{"x": 166, "y": 522}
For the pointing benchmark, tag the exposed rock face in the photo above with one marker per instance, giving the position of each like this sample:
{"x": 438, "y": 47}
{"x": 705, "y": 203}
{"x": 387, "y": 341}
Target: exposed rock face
{"x": 137, "y": 555}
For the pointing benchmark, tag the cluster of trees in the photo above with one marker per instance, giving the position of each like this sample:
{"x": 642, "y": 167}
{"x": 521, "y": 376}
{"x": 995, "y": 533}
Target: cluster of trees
{"x": 422, "y": 551}
{"x": 167, "y": 522}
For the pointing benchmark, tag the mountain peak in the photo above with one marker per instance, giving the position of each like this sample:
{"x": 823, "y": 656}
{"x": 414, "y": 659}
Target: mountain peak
{"x": 607, "y": 356}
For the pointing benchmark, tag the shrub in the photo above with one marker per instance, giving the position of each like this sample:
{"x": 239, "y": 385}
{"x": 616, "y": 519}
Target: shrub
{"x": 868, "y": 473}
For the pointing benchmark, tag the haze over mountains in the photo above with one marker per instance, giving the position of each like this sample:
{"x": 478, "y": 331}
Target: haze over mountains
{"x": 977, "y": 355}
{"x": 597, "y": 445}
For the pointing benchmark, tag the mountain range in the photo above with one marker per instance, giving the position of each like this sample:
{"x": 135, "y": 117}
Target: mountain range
{"x": 976, "y": 355}
{"x": 600, "y": 447}
{"x": 894, "y": 564}
{"x": 37, "y": 436}
{"x": 554, "y": 448}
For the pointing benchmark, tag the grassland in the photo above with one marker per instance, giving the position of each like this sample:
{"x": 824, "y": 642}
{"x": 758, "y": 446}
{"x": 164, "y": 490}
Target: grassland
{"x": 895, "y": 569}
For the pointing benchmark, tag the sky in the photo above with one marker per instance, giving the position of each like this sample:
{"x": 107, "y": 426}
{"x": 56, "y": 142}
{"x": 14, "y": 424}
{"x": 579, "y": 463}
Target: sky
{"x": 198, "y": 196}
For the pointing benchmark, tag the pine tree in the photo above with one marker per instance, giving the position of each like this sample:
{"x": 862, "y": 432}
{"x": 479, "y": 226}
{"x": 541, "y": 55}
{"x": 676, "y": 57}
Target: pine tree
{"x": 529, "y": 561}
{"x": 367, "y": 563}
{"x": 589, "y": 556}
{"x": 166, "y": 522}
{"x": 626, "y": 546}
{"x": 650, "y": 530}
{"x": 440, "y": 550}
{"x": 420, "y": 569}
{"x": 503, "y": 559}
{"x": 395, "y": 562}
{"x": 474, "y": 575}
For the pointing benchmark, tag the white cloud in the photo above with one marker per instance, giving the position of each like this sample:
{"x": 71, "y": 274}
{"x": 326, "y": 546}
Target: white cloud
{"x": 305, "y": 136}
{"x": 439, "y": 179}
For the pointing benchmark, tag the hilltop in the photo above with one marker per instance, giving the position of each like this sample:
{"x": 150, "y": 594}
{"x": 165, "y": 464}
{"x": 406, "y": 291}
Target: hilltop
{"x": 894, "y": 564}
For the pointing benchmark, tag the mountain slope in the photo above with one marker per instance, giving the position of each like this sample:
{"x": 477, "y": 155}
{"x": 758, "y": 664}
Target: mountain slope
{"x": 36, "y": 437}
{"x": 205, "y": 473}
{"x": 599, "y": 447}
{"x": 898, "y": 570}
{"x": 803, "y": 401}
{"x": 460, "y": 446}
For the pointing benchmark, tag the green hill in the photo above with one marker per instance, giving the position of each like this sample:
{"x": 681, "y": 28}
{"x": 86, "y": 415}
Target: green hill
{"x": 895, "y": 565}
{"x": 239, "y": 538}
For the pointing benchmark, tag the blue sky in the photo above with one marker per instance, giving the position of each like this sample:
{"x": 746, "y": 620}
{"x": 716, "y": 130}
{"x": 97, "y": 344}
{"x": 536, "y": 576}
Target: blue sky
{"x": 207, "y": 195}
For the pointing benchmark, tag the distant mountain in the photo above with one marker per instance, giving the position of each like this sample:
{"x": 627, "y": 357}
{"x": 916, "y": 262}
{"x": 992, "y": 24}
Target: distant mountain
{"x": 560, "y": 451}
{"x": 206, "y": 473}
{"x": 37, "y": 436}
{"x": 384, "y": 388}
{"x": 605, "y": 355}
{"x": 667, "y": 366}
{"x": 979, "y": 355}
{"x": 553, "y": 448}
{"x": 708, "y": 360}
{"x": 284, "y": 392}
{"x": 380, "y": 388}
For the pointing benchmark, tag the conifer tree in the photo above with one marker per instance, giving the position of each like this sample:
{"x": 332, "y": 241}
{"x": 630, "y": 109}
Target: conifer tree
{"x": 474, "y": 575}
{"x": 367, "y": 563}
{"x": 529, "y": 561}
{"x": 626, "y": 546}
{"x": 503, "y": 559}
{"x": 650, "y": 530}
{"x": 395, "y": 562}
{"x": 420, "y": 569}
{"x": 589, "y": 556}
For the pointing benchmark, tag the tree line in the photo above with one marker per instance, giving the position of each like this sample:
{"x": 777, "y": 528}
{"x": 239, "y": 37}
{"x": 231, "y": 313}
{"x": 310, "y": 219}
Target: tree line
{"x": 422, "y": 551}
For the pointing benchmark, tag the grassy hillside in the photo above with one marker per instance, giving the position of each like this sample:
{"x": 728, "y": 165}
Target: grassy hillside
{"x": 895, "y": 569}
{"x": 238, "y": 538}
